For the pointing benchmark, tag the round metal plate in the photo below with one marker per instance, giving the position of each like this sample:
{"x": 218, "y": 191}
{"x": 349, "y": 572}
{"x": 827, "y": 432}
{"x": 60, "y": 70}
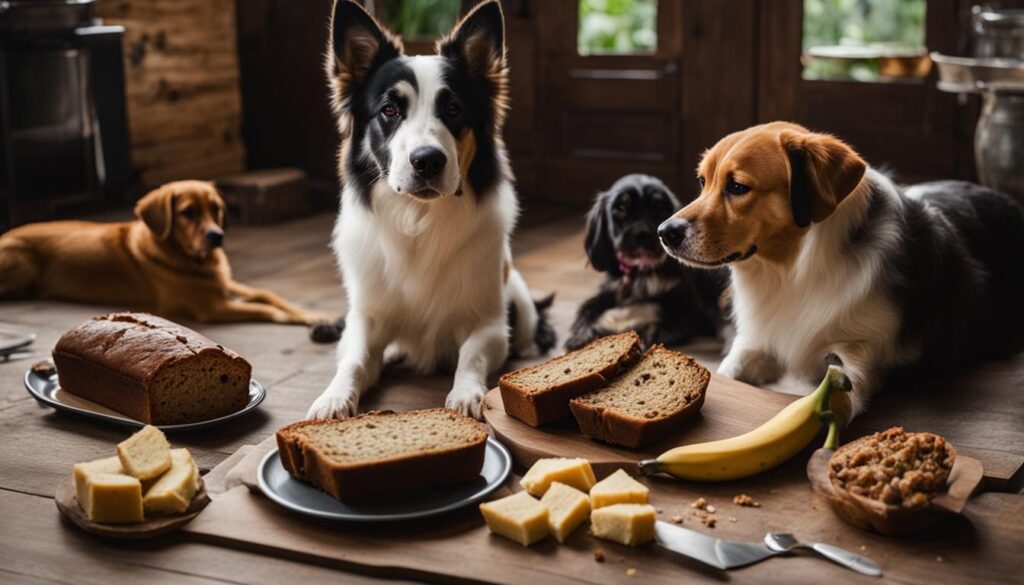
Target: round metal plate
{"x": 278, "y": 485}
{"x": 45, "y": 389}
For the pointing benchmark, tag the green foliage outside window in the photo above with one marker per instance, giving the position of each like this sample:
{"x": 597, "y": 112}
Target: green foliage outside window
{"x": 888, "y": 24}
{"x": 617, "y": 26}
{"x": 419, "y": 19}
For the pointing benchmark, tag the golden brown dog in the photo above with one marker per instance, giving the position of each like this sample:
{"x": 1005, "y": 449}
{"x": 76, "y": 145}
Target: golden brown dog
{"x": 169, "y": 261}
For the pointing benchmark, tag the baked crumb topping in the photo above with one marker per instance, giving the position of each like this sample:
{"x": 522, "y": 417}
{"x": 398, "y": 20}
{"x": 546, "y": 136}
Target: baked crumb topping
{"x": 894, "y": 467}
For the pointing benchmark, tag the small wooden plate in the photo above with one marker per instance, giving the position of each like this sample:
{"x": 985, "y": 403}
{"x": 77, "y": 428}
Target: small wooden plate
{"x": 67, "y": 503}
{"x": 868, "y": 514}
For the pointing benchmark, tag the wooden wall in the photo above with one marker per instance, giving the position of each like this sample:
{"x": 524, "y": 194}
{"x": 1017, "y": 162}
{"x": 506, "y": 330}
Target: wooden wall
{"x": 181, "y": 71}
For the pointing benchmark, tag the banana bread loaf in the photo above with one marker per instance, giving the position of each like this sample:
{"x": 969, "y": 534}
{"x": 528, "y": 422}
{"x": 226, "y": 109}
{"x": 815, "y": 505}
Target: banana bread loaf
{"x": 383, "y": 452}
{"x": 151, "y": 369}
{"x": 540, "y": 394}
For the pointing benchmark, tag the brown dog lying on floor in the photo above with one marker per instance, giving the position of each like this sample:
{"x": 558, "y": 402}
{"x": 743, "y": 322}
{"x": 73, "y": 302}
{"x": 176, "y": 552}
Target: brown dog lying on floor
{"x": 169, "y": 261}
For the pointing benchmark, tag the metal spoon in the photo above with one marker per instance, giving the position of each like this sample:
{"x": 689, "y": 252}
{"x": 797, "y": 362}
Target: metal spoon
{"x": 782, "y": 542}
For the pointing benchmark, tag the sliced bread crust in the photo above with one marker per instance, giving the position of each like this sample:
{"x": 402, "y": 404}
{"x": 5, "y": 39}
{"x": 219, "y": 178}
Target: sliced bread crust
{"x": 362, "y": 478}
{"x": 600, "y": 420}
{"x": 540, "y": 403}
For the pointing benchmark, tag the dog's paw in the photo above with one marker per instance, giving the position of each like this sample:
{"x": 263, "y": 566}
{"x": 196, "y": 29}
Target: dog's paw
{"x": 467, "y": 399}
{"x": 326, "y": 331}
{"x": 394, "y": 356}
{"x": 334, "y": 405}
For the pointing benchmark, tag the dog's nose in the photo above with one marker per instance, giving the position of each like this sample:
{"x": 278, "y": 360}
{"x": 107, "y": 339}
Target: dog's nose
{"x": 428, "y": 161}
{"x": 215, "y": 238}
{"x": 672, "y": 231}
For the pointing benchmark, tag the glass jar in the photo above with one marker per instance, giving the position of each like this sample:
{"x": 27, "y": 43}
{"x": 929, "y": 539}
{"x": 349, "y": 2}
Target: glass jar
{"x": 999, "y": 139}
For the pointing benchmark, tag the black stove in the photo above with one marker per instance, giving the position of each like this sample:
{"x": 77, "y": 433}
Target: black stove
{"x": 63, "y": 125}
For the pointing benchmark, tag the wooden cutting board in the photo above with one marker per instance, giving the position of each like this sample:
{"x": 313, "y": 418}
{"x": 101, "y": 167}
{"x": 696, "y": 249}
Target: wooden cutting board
{"x": 457, "y": 547}
{"x": 730, "y": 408}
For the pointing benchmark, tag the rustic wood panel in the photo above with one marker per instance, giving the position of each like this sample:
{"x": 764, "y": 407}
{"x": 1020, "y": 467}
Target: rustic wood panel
{"x": 182, "y": 84}
{"x": 718, "y": 73}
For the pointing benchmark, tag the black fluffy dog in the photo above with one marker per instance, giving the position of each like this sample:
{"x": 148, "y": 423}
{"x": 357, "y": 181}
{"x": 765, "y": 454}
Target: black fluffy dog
{"x": 645, "y": 290}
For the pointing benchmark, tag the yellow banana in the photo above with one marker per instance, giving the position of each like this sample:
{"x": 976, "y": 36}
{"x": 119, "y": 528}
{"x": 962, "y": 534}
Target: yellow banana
{"x": 772, "y": 443}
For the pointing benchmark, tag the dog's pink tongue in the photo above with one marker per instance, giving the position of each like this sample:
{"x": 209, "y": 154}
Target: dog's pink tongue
{"x": 626, "y": 265}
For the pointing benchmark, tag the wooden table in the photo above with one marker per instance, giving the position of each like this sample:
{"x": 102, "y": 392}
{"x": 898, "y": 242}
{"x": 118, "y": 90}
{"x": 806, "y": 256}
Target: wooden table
{"x": 38, "y": 446}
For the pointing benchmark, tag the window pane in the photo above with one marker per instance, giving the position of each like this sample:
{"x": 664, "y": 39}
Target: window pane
{"x": 617, "y": 27}
{"x": 865, "y": 40}
{"x": 419, "y": 19}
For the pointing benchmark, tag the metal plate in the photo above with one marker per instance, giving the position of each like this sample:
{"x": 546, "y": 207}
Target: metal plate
{"x": 278, "y": 485}
{"x": 45, "y": 389}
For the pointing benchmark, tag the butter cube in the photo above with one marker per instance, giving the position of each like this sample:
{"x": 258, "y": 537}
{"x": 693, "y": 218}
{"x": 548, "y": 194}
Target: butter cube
{"x": 572, "y": 472}
{"x": 173, "y": 492}
{"x": 567, "y": 508}
{"x": 111, "y": 465}
{"x": 518, "y": 517}
{"x": 146, "y": 454}
{"x": 618, "y": 488}
{"x": 112, "y": 498}
{"x": 630, "y": 524}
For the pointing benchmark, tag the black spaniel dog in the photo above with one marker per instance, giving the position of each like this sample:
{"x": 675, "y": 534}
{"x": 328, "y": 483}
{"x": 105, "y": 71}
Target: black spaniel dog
{"x": 645, "y": 290}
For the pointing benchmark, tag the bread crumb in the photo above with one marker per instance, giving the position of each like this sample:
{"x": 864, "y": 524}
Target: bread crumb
{"x": 677, "y": 519}
{"x": 630, "y": 572}
{"x": 938, "y": 559}
{"x": 709, "y": 521}
{"x": 745, "y": 500}
{"x": 599, "y": 555}
{"x": 732, "y": 518}
{"x": 658, "y": 510}
{"x": 699, "y": 504}
{"x": 710, "y": 508}
{"x": 863, "y": 548}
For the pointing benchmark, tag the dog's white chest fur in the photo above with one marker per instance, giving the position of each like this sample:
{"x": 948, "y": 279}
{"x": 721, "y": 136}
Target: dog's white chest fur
{"x": 429, "y": 272}
{"x": 789, "y": 319}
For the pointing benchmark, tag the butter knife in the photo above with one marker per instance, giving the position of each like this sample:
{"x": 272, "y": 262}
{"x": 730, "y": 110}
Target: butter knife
{"x": 731, "y": 554}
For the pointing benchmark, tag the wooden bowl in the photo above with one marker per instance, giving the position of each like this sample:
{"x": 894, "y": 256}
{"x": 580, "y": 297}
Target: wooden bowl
{"x": 869, "y": 514}
{"x": 67, "y": 503}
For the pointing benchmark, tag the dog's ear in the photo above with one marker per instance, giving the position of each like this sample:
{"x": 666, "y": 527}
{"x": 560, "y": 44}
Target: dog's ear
{"x": 598, "y": 243}
{"x": 156, "y": 210}
{"x": 357, "y": 46}
{"x": 222, "y": 207}
{"x": 477, "y": 43}
{"x": 823, "y": 170}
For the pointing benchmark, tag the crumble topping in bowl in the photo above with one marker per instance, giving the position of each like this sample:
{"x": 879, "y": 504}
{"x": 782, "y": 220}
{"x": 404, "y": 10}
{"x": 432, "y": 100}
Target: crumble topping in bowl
{"x": 894, "y": 467}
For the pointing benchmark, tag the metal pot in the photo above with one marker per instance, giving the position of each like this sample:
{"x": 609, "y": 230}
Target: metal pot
{"x": 999, "y": 139}
{"x": 997, "y": 34}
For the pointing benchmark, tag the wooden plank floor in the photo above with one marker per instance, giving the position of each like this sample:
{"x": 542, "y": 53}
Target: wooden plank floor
{"x": 39, "y": 446}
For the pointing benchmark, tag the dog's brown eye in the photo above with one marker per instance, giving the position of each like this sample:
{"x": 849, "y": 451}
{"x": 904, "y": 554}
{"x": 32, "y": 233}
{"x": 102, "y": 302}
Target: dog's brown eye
{"x": 734, "y": 188}
{"x": 452, "y": 110}
{"x": 188, "y": 213}
{"x": 389, "y": 110}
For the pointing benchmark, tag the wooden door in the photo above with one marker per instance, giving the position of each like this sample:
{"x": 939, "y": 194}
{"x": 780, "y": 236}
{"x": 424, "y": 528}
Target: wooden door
{"x": 605, "y": 115}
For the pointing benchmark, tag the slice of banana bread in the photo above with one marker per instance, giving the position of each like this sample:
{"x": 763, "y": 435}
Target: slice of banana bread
{"x": 657, "y": 394}
{"x": 384, "y": 452}
{"x": 151, "y": 369}
{"x": 540, "y": 394}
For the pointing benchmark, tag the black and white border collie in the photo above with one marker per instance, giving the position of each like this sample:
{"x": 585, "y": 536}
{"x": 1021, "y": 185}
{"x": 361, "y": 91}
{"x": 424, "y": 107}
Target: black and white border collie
{"x": 829, "y": 256}
{"x": 427, "y": 209}
{"x": 644, "y": 290}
